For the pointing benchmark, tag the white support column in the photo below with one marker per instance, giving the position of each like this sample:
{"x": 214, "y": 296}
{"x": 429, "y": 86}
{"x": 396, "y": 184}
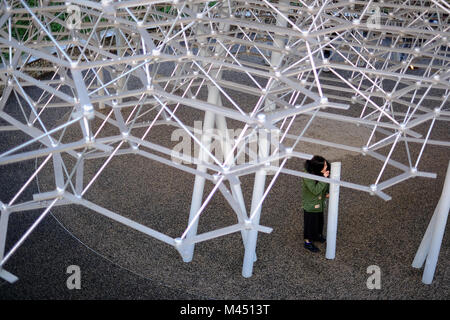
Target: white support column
{"x": 226, "y": 149}
{"x": 422, "y": 252}
{"x": 260, "y": 176}
{"x": 199, "y": 184}
{"x": 4, "y": 218}
{"x": 57, "y": 167}
{"x": 333, "y": 209}
{"x": 432, "y": 240}
{"x": 258, "y": 192}
{"x": 79, "y": 177}
{"x": 121, "y": 82}
{"x": 208, "y": 127}
{"x": 100, "y": 82}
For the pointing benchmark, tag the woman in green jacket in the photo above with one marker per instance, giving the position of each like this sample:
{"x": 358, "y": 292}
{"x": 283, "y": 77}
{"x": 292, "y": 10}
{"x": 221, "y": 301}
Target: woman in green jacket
{"x": 314, "y": 194}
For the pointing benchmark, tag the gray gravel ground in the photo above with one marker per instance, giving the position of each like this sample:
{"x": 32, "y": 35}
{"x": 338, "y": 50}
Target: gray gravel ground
{"x": 119, "y": 263}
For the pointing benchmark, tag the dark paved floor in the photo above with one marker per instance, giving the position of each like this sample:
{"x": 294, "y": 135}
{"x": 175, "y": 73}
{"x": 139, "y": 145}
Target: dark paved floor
{"x": 118, "y": 263}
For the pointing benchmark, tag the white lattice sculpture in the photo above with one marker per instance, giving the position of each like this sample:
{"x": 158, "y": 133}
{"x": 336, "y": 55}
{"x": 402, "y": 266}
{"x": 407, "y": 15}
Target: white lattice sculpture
{"x": 380, "y": 68}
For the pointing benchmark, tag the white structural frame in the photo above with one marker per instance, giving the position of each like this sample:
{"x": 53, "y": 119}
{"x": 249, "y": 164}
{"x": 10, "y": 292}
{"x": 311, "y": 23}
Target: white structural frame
{"x": 175, "y": 50}
{"x": 333, "y": 210}
{"x": 428, "y": 251}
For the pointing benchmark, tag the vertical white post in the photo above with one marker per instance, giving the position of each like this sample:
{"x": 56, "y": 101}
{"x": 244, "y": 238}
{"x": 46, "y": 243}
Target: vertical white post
{"x": 57, "y": 167}
{"x": 100, "y": 82}
{"x": 208, "y": 126}
{"x": 260, "y": 176}
{"x": 3, "y": 231}
{"x": 438, "y": 231}
{"x": 120, "y": 52}
{"x": 333, "y": 209}
{"x": 79, "y": 177}
{"x": 226, "y": 149}
{"x": 424, "y": 247}
{"x": 199, "y": 184}
{"x": 258, "y": 192}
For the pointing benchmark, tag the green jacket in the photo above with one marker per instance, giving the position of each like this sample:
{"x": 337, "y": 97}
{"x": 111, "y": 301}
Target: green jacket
{"x": 314, "y": 195}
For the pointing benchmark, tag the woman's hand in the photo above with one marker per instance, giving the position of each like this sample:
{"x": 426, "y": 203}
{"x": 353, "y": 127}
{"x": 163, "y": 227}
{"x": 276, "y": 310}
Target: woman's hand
{"x": 326, "y": 174}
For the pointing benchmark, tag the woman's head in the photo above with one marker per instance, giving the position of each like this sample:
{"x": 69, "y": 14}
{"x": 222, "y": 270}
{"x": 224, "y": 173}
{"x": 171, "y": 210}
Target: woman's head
{"x": 317, "y": 165}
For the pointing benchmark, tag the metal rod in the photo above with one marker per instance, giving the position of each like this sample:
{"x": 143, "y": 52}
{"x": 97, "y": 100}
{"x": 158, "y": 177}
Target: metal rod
{"x": 333, "y": 209}
{"x": 438, "y": 231}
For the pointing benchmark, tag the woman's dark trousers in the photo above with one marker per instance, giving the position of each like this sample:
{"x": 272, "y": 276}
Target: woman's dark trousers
{"x": 313, "y": 225}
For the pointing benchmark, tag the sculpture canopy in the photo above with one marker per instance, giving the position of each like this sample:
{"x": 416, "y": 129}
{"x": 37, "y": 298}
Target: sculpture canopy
{"x": 296, "y": 78}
